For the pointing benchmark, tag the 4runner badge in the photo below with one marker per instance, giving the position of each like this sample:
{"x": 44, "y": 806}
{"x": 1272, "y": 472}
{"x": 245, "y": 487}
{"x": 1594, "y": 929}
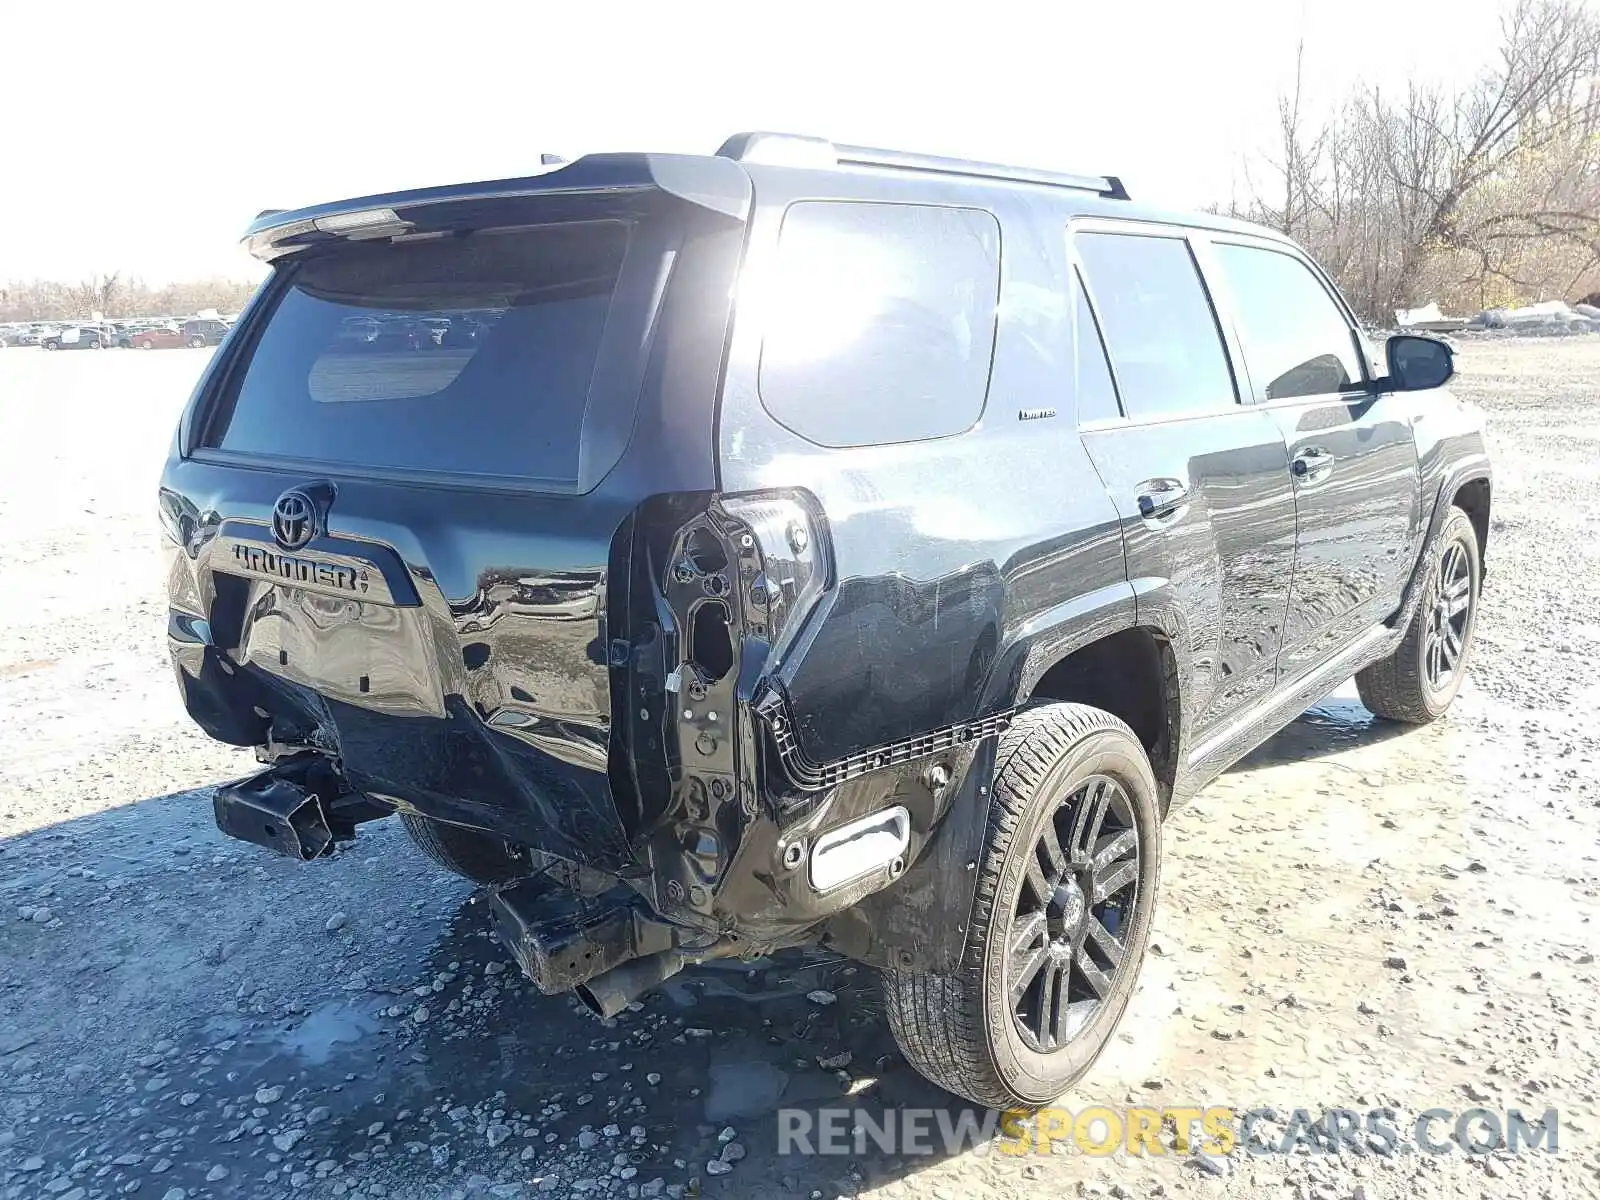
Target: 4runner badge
{"x": 289, "y": 568}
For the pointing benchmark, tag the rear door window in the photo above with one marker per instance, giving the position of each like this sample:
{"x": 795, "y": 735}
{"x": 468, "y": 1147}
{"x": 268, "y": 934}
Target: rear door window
{"x": 1097, "y": 395}
{"x": 1296, "y": 339}
{"x": 464, "y": 355}
{"x": 878, "y": 321}
{"x": 1158, "y": 325}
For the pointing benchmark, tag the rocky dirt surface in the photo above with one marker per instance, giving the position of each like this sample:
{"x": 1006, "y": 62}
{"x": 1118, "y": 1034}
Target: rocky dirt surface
{"x": 1357, "y": 916}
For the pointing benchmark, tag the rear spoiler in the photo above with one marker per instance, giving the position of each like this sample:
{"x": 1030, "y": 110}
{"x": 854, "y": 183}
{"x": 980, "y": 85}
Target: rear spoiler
{"x": 715, "y": 183}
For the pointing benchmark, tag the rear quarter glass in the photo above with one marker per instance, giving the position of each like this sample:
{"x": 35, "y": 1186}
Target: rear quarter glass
{"x": 878, "y": 321}
{"x": 468, "y": 355}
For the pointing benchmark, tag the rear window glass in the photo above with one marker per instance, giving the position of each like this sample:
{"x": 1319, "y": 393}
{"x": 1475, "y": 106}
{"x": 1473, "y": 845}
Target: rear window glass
{"x": 471, "y": 354}
{"x": 879, "y": 321}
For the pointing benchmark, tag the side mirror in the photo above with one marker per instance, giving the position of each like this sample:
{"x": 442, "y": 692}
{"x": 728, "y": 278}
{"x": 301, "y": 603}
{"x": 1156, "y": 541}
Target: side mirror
{"x": 1417, "y": 364}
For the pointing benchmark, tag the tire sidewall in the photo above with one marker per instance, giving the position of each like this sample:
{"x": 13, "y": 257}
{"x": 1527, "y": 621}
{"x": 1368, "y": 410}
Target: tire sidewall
{"x": 1457, "y": 530}
{"x": 1038, "y": 1077}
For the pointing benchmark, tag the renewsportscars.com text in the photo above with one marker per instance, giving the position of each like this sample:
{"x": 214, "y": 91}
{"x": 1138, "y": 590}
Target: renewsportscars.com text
{"x": 1100, "y": 1130}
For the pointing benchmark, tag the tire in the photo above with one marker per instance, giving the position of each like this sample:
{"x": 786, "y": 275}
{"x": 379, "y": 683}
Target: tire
{"x": 147, "y": 344}
{"x": 1408, "y": 685}
{"x": 52, "y": 346}
{"x": 470, "y": 853}
{"x": 196, "y": 343}
{"x": 962, "y": 1030}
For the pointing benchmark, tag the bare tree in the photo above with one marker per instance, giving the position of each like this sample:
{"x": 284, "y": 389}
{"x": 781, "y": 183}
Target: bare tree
{"x": 1494, "y": 183}
{"x": 1538, "y": 103}
{"x": 99, "y": 293}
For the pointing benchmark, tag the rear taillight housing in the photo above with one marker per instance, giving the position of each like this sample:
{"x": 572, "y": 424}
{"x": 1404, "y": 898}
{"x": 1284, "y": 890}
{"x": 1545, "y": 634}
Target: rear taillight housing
{"x": 782, "y": 552}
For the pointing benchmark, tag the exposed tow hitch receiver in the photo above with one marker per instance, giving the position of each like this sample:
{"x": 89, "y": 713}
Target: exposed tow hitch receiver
{"x": 298, "y": 807}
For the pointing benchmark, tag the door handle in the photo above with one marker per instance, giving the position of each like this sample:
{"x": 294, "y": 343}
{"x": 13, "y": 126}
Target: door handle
{"x": 1161, "y": 497}
{"x": 1311, "y": 464}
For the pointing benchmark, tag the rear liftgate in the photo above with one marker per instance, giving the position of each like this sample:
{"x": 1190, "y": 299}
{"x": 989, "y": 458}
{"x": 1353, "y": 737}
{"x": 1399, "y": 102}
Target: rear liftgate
{"x": 449, "y": 649}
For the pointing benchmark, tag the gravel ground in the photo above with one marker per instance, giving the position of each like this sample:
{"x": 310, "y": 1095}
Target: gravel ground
{"x": 1356, "y": 916}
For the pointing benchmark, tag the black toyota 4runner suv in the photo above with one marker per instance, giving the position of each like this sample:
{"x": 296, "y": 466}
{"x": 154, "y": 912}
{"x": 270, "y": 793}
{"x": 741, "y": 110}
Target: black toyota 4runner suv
{"x": 805, "y": 545}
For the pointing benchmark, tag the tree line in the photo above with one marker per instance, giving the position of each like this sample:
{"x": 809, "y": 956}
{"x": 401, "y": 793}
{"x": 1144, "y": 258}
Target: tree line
{"x": 113, "y": 295}
{"x": 1476, "y": 196}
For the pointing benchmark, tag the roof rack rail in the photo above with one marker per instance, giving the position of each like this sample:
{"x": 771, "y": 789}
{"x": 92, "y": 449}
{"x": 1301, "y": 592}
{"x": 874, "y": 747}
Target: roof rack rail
{"x": 797, "y": 150}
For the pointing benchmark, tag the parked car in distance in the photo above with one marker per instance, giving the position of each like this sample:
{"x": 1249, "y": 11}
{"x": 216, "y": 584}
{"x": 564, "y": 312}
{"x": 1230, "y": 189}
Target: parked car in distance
{"x": 392, "y": 331}
{"x": 154, "y": 337}
{"x": 77, "y": 337}
{"x": 889, "y": 610}
{"x": 204, "y": 331}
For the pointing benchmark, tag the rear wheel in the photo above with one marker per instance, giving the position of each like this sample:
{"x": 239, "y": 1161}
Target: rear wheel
{"x": 196, "y": 342}
{"x": 1418, "y": 681}
{"x": 1065, "y": 897}
{"x": 470, "y": 853}
{"x": 147, "y": 344}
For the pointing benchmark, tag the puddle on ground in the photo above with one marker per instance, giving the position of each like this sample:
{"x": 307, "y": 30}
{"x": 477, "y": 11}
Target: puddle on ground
{"x": 744, "y": 1089}
{"x": 1338, "y": 714}
{"x": 336, "y": 1023}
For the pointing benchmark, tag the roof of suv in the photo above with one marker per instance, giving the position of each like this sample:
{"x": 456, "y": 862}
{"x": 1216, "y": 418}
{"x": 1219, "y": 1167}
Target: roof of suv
{"x": 721, "y": 181}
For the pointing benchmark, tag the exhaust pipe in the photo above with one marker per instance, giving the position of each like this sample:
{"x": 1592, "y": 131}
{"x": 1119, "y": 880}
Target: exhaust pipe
{"x": 608, "y": 994}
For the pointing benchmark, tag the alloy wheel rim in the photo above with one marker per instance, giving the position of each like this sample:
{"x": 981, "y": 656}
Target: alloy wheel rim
{"x": 1069, "y": 928}
{"x": 1445, "y": 644}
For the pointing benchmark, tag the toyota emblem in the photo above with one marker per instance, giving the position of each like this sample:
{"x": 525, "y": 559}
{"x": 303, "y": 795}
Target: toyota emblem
{"x": 294, "y": 520}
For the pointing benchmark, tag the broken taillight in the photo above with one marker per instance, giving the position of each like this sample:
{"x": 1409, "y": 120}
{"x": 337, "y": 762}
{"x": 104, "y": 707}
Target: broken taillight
{"x": 782, "y": 552}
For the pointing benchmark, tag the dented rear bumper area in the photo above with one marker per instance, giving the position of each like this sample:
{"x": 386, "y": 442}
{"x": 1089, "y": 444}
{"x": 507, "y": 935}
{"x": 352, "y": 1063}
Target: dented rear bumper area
{"x": 692, "y": 792}
{"x": 455, "y": 769}
{"x": 875, "y": 867}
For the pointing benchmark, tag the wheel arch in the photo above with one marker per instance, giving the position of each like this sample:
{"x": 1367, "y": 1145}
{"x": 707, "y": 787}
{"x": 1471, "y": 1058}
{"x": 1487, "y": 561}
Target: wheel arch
{"x": 1132, "y": 673}
{"x": 1468, "y": 485}
{"x": 1473, "y": 496}
{"x": 1083, "y": 655}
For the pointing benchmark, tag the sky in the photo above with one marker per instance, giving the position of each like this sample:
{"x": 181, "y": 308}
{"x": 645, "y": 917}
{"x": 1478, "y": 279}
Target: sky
{"x": 144, "y": 139}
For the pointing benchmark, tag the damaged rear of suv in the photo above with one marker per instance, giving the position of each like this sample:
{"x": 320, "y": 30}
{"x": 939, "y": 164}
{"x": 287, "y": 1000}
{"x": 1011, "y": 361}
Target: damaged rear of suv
{"x": 692, "y": 550}
{"x": 487, "y": 579}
